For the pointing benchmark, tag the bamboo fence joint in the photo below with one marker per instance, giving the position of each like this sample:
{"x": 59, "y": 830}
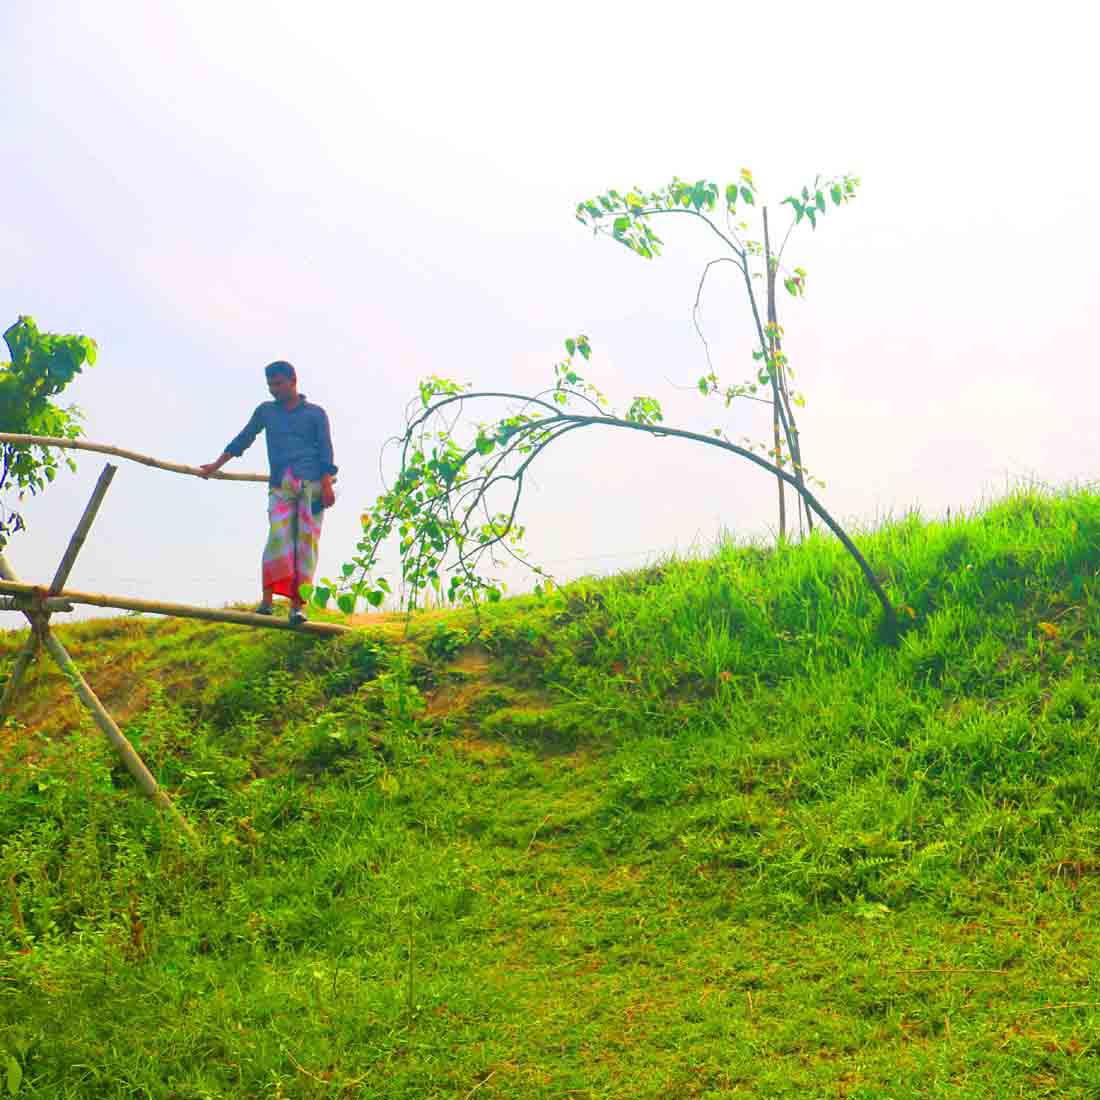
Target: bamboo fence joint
{"x": 18, "y": 603}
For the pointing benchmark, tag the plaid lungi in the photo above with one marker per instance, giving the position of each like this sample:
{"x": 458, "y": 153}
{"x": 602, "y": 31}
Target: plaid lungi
{"x": 290, "y": 557}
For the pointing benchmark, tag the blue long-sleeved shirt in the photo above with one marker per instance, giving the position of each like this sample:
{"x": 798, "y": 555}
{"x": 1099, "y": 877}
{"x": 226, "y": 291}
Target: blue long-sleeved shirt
{"x": 299, "y": 440}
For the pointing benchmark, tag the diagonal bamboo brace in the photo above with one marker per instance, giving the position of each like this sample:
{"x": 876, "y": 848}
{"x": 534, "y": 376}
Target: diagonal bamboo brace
{"x": 134, "y": 764}
{"x": 46, "y": 606}
{"x": 68, "y": 559}
{"x": 40, "y": 634}
{"x": 22, "y": 662}
{"x": 26, "y": 655}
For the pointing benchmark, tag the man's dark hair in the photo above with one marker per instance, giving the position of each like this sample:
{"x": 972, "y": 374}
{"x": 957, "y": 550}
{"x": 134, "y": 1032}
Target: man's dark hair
{"x": 281, "y": 367}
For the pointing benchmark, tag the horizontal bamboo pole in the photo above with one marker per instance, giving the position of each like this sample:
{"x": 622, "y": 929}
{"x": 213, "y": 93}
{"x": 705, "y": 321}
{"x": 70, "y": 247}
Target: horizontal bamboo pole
{"x": 182, "y": 610}
{"x": 118, "y": 452}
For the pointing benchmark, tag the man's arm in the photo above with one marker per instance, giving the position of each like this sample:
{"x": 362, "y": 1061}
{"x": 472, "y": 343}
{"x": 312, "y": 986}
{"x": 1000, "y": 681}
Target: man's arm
{"x": 238, "y": 444}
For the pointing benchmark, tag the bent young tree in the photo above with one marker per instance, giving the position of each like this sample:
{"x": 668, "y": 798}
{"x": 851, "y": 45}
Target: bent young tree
{"x": 456, "y": 497}
{"x": 626, "y": 216}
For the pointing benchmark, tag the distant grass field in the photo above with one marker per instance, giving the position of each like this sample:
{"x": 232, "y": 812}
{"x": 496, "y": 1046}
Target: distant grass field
{"x": 693, "y": 831}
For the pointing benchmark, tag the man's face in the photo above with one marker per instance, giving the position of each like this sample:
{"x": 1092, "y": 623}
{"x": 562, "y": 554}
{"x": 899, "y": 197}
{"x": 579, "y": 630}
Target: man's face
{"x": 281, "y": 387}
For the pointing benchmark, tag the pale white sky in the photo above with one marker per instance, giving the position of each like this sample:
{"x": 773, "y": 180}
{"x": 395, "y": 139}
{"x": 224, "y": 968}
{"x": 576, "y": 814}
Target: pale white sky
{"x": 379, "y": 192}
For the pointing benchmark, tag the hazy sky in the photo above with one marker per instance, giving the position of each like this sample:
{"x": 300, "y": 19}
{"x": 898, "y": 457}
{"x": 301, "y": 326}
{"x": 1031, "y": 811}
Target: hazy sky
{"x": 380, "y": 192}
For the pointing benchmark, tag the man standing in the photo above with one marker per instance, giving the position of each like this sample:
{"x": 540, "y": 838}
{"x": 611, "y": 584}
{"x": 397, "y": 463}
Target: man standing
{"x": 299, "y": 453}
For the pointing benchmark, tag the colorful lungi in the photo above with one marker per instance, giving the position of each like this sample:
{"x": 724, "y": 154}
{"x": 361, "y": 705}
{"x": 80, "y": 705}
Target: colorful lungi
{"x": 290, "y": 557}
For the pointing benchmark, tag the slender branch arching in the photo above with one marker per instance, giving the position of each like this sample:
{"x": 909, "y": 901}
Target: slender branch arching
{"x": 466, "y": 496}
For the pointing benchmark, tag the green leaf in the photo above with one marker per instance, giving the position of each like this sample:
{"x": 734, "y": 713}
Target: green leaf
{"x": 819, "y": 198}
{"x": 375, "y": 598}
{"x": 731, "y": 194}
{"x": 621, "y": 225}
{"x": 320, "y": 596}
{"x": 346, "y": 602}
{"x": 571, "y": 345}
{"x": 746, "y": 194}
{"x": 15, "y": 1075}
{"x": 837, "y": 194}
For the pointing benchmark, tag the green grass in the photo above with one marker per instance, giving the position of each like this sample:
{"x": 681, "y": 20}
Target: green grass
{"x": 693, "y": 831}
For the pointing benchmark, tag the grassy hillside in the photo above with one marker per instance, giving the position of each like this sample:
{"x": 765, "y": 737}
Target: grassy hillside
{"x": 690, "y": 832}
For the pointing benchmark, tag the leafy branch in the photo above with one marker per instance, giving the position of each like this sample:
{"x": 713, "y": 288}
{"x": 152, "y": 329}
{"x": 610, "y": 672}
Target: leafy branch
{"x": 454, "y": 503}
{"x": 42, "y": 365}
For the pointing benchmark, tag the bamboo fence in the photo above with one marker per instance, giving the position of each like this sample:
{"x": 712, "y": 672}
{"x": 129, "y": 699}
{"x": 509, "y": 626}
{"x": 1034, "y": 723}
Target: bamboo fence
{"x": 39, "y": 602}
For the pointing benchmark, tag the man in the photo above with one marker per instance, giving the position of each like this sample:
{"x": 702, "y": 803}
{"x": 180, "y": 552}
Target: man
{"x": 299, "y": 454}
